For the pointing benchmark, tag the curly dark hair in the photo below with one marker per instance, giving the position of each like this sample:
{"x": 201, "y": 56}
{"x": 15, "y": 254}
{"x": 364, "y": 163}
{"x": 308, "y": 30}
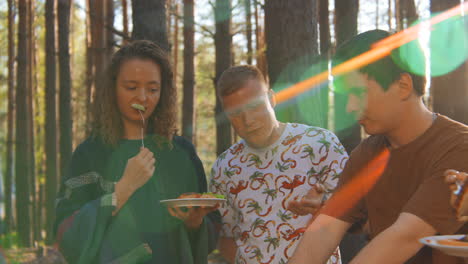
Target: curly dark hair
{"x": 106, "y": 119}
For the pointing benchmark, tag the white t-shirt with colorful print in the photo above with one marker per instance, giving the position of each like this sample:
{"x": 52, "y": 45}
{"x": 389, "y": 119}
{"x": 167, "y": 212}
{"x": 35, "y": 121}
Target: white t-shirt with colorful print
{"x": 259, "y": 183}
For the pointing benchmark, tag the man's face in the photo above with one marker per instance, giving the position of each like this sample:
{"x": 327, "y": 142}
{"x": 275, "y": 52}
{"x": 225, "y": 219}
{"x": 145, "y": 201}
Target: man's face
{"x": 251, "y": 113}
{"x": 375, "y": 109}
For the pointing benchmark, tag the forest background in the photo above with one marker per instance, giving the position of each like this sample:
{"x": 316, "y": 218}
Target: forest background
{"x": 53, "y": 51}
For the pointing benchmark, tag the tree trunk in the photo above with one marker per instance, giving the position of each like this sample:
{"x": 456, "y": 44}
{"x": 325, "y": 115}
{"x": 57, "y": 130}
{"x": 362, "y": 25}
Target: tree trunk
{"x": 149, "y": 21}
{"x": 346, "y": 127}
{"x": 260, "y": 43}
{"x": 390, "y": 15}
{"x": 292, "y": 50}
{"x": 176, "y": 43}
{"x": 405, "y": 12}
{"x": 346, "y": 15}
{"x": 89, "y": 65}
{"x": 188, "y": 105}
{"x": 376, "y": 13}
{"x": 410, "y": 14}
{"x": 450, "y": 91}
{"x": 109, "y": 41}
{"x": 50, "y": 120}
{"x": 31, "y": 116}
{"x": 22, "y": 162}
{"x": 65, "y": 117}
{"x": 248, "y": 29}
{"x": 223, "y": 49}
{"x": 125, "y": 19}
{"x": 8, "y": 178}
{"x": 398, "y": 19}
{"x": 324, "y": 25}
{"x": 98, "y": 37}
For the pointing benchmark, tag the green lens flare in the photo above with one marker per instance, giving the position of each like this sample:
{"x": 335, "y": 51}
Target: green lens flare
{"x": 447, "y": 49}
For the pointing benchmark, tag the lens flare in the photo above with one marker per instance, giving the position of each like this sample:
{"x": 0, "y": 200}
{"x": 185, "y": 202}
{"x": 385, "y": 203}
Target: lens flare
{"x": 349, "y": 194}
{"x": 379, "y": 50}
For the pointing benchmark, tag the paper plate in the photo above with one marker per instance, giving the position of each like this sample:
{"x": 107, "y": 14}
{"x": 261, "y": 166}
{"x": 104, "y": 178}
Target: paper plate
{"x": 434, "y": 242}
{"x": 185, "y": 202}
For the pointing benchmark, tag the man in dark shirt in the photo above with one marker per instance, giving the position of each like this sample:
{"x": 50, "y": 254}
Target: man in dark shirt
{"x": 412, "y": 147}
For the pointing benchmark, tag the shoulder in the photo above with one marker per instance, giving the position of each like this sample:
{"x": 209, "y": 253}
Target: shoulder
{"x": 451, "y": 129}
{"x": 91, "y": 146}
{"x": 446, "y": 121}
{"x": 183, "y": 143}
{"x": 233, "y": 150}
{"x": 90, "y": 155}
{"x": 445, "y": 136}
{"x": 303, "y": 128}
{"x": 312, "y": 132}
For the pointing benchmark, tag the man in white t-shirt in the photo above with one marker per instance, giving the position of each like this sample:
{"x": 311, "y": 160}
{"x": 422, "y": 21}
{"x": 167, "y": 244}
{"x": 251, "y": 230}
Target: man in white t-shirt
{"x": 269, "y": 175}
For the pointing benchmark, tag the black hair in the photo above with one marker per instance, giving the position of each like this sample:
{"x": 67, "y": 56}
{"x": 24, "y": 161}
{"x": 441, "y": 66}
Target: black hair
{"x": 384, "y": 71}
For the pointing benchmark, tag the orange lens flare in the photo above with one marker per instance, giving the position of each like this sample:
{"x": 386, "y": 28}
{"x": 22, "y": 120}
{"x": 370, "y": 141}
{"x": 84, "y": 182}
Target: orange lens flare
{"x": 350, "y": 194}
{"x": 378, "y": 51}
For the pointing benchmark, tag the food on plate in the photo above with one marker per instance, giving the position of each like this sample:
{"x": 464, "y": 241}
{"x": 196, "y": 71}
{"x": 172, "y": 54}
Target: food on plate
{"x": 212, "y": 195}
{"x": 201, "y": 195}
{"x": 454, "y": 242}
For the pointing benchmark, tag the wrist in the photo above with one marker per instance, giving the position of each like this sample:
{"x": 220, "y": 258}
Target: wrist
{"x": 193, "y": 223}
{"x": 125, "y": 186}
{"x": 122, "y": 192}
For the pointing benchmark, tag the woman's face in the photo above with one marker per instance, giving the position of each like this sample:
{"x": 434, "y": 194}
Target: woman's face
{"x": 138, "y": 82}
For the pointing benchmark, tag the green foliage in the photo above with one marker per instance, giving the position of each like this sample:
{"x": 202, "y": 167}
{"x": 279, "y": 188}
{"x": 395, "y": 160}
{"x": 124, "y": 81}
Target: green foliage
{"x": 10, "y": 240}
{"x": 3, "y": 77}
{"x": 205, "y": 103}
{"x": 78, "y": 67}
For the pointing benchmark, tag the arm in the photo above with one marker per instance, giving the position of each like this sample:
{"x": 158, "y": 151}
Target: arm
{"x": 198, "y": 217}
{"x": 228, "y": 248}
{"x": 321, "y": 238}
{"x": 401, "y": 237}
{"x": 85, "y": 208}
{"x": 138, "y": 171}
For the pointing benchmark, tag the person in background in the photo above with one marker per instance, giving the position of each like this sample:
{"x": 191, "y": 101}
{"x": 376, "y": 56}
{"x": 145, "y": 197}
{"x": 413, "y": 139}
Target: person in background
{"x": 108, "y": 208}
{"x": 274, "y": 178}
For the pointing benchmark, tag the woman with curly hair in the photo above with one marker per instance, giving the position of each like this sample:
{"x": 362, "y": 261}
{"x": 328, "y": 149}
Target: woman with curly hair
{"x": 108, "y": 208}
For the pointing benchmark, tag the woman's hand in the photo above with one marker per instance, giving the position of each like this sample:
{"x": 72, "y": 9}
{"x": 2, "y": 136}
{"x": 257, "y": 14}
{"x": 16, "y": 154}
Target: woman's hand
{"x": 138, "y": 171}
{"x": 192, "y": 215}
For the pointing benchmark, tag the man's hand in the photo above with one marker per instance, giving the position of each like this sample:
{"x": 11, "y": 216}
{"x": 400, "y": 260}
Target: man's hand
{"x": 456, "y": 180}
{"x": 192, "y": 215}
{"x": 457, "y": 183}
{"x": 310, "y": 203}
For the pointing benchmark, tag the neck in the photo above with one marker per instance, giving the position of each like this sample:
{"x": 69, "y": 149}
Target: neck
{"x": 276, "y": 134}
{"x": 133, "y": 130}
{"x": 412, "y": 124}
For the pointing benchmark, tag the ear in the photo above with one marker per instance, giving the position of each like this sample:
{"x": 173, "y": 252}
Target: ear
{"x": 405, "y": 84}
{"x": 272, "y": 97}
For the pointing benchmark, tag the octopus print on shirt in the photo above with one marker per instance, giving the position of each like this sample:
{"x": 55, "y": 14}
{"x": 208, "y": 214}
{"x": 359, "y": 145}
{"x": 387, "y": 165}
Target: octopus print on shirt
{"x": 259, "y": 184}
